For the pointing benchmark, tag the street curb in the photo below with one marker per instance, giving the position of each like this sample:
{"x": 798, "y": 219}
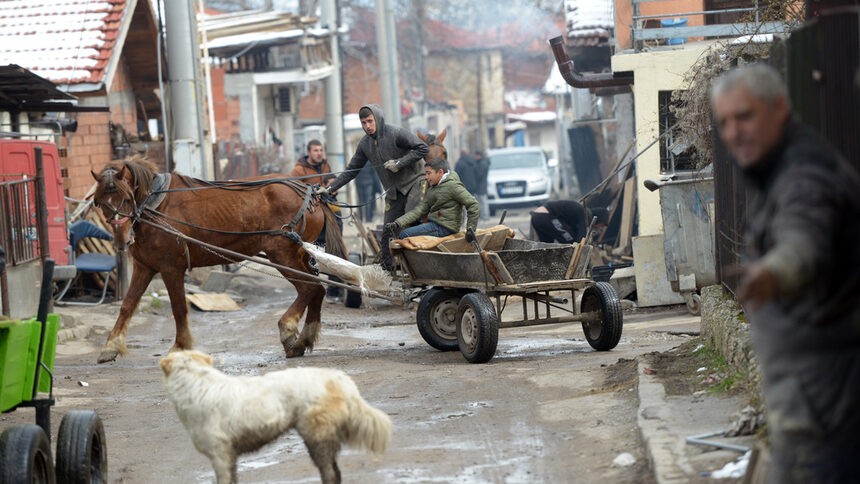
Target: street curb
{"x": 70, "y": 334}
{"x": 665, "y": 450}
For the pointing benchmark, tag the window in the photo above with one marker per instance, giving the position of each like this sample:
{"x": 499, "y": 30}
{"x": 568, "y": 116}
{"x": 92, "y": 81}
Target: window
{"x": 675, "y": 154}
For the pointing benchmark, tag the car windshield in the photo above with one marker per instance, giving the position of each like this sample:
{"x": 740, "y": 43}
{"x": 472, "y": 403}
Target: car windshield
{"x": 516, "y": 160}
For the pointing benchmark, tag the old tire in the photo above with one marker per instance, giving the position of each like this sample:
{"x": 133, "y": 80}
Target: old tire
{"x": 353, "y": 298}
{"x": 81, "y": 449}
{"x": 602, "y": 335}
{"x": 25, "y": 455}
{"x": 437, "y": 318}
{"x": 477, "y": 328}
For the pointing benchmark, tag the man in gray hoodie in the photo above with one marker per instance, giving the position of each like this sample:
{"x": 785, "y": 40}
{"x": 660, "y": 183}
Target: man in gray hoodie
{"x": 397, "y": 157}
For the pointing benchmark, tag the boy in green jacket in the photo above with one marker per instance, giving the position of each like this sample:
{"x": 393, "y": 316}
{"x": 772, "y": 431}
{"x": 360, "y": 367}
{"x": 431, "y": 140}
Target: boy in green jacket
{"x": 443, "y": 204}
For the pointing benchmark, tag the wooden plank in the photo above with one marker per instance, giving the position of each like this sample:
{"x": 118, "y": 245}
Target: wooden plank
{"x": 212, "y": 302}
{"x": 627, "y": 215}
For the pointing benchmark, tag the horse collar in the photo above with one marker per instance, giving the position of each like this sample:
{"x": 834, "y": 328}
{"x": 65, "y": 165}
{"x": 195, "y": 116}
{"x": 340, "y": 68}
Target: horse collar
{"x": 157, "y": 193}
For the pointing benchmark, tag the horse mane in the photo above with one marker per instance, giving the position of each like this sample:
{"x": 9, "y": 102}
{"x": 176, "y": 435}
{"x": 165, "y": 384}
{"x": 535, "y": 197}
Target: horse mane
{"x": 141, "y": 171}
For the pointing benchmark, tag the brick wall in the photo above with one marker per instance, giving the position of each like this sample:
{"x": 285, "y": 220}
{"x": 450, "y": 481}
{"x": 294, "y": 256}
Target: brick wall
{"x": 89, "y": 148}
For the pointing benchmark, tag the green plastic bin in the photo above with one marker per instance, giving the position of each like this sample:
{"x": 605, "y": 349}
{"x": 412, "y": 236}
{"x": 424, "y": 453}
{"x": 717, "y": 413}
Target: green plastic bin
{"x": 19, "y": 343}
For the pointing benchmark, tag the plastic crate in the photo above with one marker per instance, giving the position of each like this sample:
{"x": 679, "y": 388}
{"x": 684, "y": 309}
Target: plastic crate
{"x": 19, "y": 343}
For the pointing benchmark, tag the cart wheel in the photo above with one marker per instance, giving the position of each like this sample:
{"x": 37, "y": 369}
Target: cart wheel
{"x": 477, "y": 328}
{"x": 437, "y": 318}
{"x": 81, "y": 450}
{"x": 694, "y": 303}
{"x": 353, "y": 298}
{"x": 601, "y": 298}
{"x": 25, "y": 455}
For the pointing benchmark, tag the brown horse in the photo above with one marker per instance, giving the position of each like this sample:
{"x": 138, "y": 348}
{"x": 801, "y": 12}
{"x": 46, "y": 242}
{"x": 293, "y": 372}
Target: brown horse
{"x": 434, "y": 143}
{"x": 157, "y": 220}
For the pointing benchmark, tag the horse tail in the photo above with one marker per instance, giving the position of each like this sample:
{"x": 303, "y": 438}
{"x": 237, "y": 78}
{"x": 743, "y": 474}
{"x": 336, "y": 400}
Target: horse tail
{"x": 333, "y": 237}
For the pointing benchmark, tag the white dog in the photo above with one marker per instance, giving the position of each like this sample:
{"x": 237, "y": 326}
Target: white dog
{"x": 230, "y": 415}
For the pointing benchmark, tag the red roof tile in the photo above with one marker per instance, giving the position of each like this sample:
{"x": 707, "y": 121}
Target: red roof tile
{"x": 65, "y": 41}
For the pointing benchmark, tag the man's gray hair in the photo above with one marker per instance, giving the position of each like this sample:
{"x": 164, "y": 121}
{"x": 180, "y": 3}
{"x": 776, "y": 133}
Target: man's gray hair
{"x": 762, "y": 80}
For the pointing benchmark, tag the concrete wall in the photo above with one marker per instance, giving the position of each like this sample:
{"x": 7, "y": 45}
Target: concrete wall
{"x": 654, "y": 71}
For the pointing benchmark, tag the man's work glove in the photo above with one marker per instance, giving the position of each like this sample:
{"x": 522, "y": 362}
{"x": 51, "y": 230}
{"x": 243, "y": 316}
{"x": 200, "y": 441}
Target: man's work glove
{"x": 470, "y": 236}
{"x": 322, "y": 191}
{"x": 393, "y": 228}
{"x": 392, "y": 166}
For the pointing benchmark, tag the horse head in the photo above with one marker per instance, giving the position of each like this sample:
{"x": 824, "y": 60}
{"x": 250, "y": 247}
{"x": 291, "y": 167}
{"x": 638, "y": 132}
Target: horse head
{"x": 434, "y": 143}
{"x": 120, "y": 188}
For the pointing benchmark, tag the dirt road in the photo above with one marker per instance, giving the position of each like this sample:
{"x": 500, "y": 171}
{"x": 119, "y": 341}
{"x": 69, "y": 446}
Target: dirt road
{"x": 547, "y": 408}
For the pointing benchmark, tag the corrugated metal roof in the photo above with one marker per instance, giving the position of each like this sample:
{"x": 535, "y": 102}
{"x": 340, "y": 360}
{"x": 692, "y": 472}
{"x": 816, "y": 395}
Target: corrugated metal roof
{"x": 64, "y": 41}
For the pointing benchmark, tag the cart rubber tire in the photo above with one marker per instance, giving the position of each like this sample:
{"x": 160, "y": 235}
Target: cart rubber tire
{"x": 353, "y": 298}
{"x": 477, "y": 328}
{"x": 81, "y": 449}
{"x": 25, "y": 455}
{"x": 437, "y": 318}
{"x": 602, "y": 298}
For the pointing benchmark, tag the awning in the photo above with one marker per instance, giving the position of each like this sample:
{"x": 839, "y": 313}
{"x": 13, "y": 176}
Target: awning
{"x": 293, "y": 76}
{"x": 23, "y": 91}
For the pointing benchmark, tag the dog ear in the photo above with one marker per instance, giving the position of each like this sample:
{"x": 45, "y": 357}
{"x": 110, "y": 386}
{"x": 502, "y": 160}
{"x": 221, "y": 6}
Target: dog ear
{"x": 166, "y": 363}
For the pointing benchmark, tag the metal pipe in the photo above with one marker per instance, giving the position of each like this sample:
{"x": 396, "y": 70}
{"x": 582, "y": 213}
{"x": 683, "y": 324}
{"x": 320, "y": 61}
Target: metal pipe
{"x": 653, "y": 185}
{"x": 700, "y": 440}
{"x": 582, "y": 81}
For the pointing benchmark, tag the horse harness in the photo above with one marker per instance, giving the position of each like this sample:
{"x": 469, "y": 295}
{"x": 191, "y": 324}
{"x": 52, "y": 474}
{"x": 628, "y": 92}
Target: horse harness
{"x": 159, "y": 191}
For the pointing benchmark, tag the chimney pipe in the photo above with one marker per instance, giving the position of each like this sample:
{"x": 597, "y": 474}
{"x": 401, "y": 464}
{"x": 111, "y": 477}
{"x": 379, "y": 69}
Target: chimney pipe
{"x": 583, "y": 81}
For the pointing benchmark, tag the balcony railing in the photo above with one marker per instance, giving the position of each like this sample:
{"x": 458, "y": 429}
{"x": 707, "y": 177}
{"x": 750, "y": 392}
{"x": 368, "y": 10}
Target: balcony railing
{"x": 672, "y": 28}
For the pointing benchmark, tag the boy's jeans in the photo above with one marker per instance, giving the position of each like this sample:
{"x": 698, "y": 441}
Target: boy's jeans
{"x": 429, "y": 228}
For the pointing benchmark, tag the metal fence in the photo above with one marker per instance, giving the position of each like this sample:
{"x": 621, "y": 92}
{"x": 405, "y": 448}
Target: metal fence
{"x": 819, "y": 60}
{"x": 18, "y": 224}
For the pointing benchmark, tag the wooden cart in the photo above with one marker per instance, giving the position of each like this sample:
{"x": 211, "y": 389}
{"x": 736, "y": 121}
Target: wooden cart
{"x": 469, "y": 292}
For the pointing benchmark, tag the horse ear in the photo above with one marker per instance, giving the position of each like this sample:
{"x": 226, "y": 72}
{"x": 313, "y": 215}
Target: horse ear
{"x": 421, "y": 136}
{"x": 441, "y": 137}
{"x": 95, "y": 176}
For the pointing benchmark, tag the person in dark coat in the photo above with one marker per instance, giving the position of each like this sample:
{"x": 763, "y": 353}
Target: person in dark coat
{"x": 2, "y": 260}
{"x": 563, "y": 221}
{"x": 397, "y": 156}
{"x": 368, "y": 186}
{"x": 800, "y": 279}
{"x": 467, "y": 169}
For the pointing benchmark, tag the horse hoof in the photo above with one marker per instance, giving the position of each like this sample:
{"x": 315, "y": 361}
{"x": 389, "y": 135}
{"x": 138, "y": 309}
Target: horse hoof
{"x": 108, "y": 355}
{"x": 296, "y": 350}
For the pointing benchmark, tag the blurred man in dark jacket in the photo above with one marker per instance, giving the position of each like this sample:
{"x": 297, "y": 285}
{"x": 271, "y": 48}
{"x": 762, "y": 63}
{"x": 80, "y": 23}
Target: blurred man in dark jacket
{"x": 801, "y": 277}
{"x": 397, "y": 156}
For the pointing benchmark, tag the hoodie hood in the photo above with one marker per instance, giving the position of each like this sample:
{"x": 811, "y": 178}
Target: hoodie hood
{"x": 376, "y": 109}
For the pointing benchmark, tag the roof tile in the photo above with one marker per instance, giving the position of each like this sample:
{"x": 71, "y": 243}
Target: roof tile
{"x": 65, "y": 41}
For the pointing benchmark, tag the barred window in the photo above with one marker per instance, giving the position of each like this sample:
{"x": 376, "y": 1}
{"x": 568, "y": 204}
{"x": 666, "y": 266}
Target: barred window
{"x": 675, "y": 154}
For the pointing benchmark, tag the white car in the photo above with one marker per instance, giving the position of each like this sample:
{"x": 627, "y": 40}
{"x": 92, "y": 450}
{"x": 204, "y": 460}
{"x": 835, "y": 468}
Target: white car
{"x": 518, "y": 177}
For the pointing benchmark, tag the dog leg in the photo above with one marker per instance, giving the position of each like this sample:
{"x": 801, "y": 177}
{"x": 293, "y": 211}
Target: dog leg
{"x": 324, "y": 455}
{"x": 225, "y": 468}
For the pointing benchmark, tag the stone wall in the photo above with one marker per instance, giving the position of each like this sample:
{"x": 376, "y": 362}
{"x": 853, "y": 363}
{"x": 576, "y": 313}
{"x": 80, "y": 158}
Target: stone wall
{"x": 724, "y": 327}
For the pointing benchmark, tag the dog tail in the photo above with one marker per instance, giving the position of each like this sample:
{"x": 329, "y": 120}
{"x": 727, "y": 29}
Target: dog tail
{"x": 369, "y": 427}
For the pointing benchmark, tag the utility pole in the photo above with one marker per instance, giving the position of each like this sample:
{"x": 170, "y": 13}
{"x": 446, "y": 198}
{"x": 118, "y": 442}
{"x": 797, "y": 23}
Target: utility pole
{"x": 333, "y": 88}
{"x": 182, "y": 63}
{"x": 483, "y": 142}
{"x": 386, "y": 40}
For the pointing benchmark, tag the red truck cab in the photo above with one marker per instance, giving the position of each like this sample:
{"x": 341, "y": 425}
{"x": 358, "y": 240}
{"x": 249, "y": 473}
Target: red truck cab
{"x": 18, "y": 161}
